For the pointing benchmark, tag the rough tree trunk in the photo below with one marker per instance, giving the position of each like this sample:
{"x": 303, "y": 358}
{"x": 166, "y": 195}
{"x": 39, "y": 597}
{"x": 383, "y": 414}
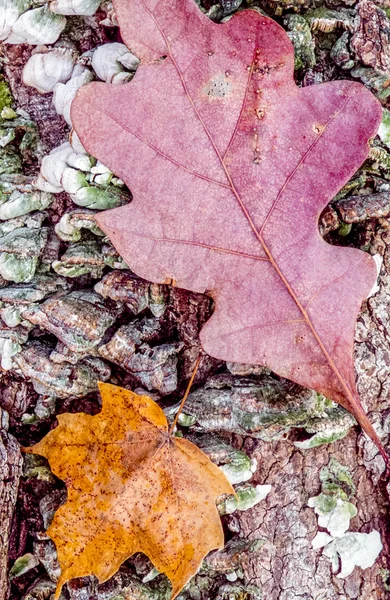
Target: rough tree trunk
{"x": 10, "y": 471}
{"x": 284, "y": 566}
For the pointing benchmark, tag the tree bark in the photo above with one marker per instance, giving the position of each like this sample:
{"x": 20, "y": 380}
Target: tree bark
{"x": 286, "y": 567}
{"x": 10, "y": 471}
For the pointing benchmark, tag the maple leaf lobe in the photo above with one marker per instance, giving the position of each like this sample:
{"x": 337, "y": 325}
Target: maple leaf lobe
{"x": 228, "y": 186}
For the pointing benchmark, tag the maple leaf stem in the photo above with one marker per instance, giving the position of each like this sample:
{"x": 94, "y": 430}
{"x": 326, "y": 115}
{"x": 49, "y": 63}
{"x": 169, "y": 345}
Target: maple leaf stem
{"x": 191, "y": 381}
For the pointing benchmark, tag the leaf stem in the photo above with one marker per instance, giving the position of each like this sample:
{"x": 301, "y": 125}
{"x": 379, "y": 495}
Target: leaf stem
{"x": 182, "y": 403}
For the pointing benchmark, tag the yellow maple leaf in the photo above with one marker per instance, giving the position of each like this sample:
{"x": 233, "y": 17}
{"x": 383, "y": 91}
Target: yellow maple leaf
{"x": 132, "y": 487}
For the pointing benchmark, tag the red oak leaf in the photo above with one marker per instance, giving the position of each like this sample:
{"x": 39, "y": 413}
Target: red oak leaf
{"x": 230, "y": 165}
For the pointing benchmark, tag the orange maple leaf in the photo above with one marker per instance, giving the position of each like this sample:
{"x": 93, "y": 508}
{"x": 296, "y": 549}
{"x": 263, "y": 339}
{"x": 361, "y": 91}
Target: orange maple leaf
{"x": 132, "y": 487}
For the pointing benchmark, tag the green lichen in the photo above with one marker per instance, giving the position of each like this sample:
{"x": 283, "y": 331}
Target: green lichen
{"x": 385, "y": 575}
{"x": 239, "y": 592}
{"x": 15, "y": 269}
{"x": 246, "y": 497}
{"x": 19, "y": 253}
{"x": 94, "y": 196}
{"x": 324, "y": 503}
{"x": 235, "y": 464}
{"x": 384, "y": 129}
{"x": 11, "y": 315}
{"x": 340, "y": 53}
{"x": 239, "y": 468}
{"x": 380, "y": 161}
{"x": 22, "y": 565}
{"x": 344, "y": 229}
{"x": 28, "y": 419}
{"x": 72, "y": 226}
{"x": 12, "y": 151}
{"x": 37, "y": 467}
{"x": 299, "y": 33}
{"x": 375, "y": 81}
{"x": 334, "y": 512}
{"x": 80, "y": 259}
{"x": 19, "y": 204}
{"x": 8, "y": 113}
{"x": 186, "y": 420}
{"x": 346, "y": 550}
{"x": 335, "y": 474}
{"x": 321, "y": 438}
{"x": 5, "y": 95}
{"x": 354, "y": 184}
{"x": 328, "y": 20}
{"x": 10, "y": 161}
{"x": 332, "y": 505}
{"x": 222, "y": 404}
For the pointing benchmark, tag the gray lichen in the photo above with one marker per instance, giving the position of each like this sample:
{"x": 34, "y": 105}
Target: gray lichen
{"x": 264, "y": 407}
{"x": 59, "y": 380}
{"x": 79, "y": 319}
{"x": 87, "y": 257}
{"x": 73, "y": 224}
{"x": 137, "y": 294}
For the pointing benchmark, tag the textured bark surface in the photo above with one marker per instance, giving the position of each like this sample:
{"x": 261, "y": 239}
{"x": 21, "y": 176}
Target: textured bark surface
{"x": 287, "y": 567}
{"x": 10, "y": 471}
{"x": 283, "y": 565}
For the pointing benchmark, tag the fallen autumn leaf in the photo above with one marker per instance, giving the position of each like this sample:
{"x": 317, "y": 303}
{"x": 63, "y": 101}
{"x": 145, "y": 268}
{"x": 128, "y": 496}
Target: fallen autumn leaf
{"x": 230, "y": 165}
{"x": 132, "y": 487}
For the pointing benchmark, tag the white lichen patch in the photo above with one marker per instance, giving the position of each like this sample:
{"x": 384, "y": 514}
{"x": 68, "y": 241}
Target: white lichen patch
{"x": 74, "y": 7}
{"x": 37, "y": 26}
{"x": 10, "y": 11}
{"x": 344, "y": 549}
{"x": 353, "y": 550}
{"x": 45, "y": 68}
{"x": 64, "y": 93}
{"x": 321, "y": 539}
{"x": 384, "y": 129}
{"x": 114, "y": 63}
{"x": 39, "y": 21}
{"x": 336, "y": 520}
{"x": 378, "y": 263}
